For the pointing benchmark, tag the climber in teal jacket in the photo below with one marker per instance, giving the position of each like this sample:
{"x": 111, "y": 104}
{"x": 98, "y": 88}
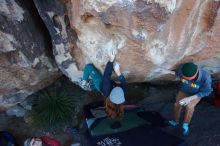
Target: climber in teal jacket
{"x": 195, "y": 84}
{"x": 113, "y": 92}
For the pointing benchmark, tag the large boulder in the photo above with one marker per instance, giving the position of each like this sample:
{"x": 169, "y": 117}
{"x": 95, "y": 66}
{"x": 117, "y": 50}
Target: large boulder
{"x": 26, "y": 58}
{"x": 151, "y": 37}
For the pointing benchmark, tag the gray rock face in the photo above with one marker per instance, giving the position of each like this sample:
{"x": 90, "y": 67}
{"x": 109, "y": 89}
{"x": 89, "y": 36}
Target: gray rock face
{"x": 16, "y": 111}
{"x": 54, "y": 15}
{"x": 26, "y": 61}
{"x": 27, "y": 103}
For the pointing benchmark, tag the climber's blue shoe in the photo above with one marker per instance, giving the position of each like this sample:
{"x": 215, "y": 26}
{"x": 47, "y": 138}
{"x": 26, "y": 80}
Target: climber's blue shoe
{"x": 171, "y": 123}
{"x": 185, "y": 128}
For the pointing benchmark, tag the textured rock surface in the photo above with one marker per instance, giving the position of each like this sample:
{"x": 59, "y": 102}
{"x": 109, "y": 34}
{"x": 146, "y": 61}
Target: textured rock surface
{"x": 26, "y": 62}
{"x": 54, "y": 15}
{"x": 151, "y": 37}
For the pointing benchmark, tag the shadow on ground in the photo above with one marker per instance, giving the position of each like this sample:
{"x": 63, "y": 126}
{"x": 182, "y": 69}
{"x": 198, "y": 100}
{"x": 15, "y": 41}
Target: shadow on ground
{"x": 205, "y": 126}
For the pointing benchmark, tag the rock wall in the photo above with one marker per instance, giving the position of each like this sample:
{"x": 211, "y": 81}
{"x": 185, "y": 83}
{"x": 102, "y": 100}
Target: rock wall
{"x": 54, "y": 15}
{"x": 26, "y": 60}
{"x": 151, "y": 37}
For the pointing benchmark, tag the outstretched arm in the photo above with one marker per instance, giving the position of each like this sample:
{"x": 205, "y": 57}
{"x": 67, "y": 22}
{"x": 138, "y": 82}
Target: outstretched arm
{"x": 106, "y": 81}
{"x": 121, "y": 78}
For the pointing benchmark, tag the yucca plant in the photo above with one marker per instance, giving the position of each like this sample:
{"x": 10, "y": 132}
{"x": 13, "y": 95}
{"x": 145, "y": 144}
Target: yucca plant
{"x": 52, "y": 110}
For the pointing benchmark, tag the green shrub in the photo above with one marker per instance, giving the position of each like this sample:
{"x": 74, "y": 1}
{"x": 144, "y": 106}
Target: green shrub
{"x": 52, "y": 110}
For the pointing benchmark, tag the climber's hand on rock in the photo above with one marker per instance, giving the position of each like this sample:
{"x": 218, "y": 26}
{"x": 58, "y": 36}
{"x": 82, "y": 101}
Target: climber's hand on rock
{"x": 112, "y": 55}
{"x": 117, "y": 68}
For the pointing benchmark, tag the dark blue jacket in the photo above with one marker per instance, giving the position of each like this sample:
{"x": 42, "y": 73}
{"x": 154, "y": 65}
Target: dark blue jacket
{"x": 107, "y": 84}
{"x": 202, "y": 85}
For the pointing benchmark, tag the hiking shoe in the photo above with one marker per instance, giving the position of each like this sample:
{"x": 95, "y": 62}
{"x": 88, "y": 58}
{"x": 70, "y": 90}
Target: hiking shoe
{"x": 171, "y": 123}
{"x": 185, "y": 128}
{"x": 85, "y": 85}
